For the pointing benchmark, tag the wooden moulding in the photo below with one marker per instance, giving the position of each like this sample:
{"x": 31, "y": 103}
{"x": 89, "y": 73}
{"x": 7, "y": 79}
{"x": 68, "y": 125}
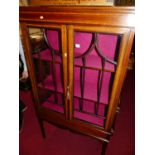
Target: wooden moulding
{"x": 72, "y": 2}
{"x": 104, "y": 16}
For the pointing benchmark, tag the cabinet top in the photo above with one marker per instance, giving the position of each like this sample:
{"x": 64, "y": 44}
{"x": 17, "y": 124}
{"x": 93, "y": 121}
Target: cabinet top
{"x": 62, "y": 8}
{"x": 93, "y": 15}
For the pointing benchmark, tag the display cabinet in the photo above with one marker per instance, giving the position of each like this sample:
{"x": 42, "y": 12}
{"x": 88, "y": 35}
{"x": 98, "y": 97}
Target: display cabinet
{"x": 78, "y": 74}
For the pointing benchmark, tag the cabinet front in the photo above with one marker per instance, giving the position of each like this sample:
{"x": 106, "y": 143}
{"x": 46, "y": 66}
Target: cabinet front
{"x": 76, "y": 69}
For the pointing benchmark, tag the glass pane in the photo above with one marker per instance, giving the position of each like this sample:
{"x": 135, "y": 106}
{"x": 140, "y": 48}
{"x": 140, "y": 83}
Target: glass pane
{"x": 47, "y": 59}
{"x": 94, "y": 65}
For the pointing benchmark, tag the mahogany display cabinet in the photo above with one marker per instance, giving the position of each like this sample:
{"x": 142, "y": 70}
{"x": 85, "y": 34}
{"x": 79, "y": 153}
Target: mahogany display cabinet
{"x": 78, "y": 75}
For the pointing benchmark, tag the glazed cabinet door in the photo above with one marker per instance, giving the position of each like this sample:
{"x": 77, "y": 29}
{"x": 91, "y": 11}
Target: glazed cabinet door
{"x": 97, "y": 61}
{"x": 46, "y": 53}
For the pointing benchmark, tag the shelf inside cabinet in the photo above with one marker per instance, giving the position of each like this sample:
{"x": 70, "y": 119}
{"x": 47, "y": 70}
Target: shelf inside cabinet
{"x": 90, "y": 92}
{"x": 47, "y": 56}
{"x": 90, "y": 85}
{"x": 88, "y": 107}
{"x": 96, "y": 65}
{"x": 89, "y": 118}
{"x": 50, "y": 104}
{"x": 48, "y": 84}
{"x": 86, "y": 115}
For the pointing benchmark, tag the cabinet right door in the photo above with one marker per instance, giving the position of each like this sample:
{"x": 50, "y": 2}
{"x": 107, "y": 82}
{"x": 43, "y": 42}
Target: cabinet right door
{"x": 94, "y": 56}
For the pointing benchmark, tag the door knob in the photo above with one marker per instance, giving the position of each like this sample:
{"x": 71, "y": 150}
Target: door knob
{"x": 41, "y": 17}
{"x": 65, "y": 55}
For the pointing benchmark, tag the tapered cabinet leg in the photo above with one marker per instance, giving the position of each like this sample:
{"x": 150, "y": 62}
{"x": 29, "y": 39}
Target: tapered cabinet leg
{"x": 42, "y": 127}
{"x": 104, "y": 146}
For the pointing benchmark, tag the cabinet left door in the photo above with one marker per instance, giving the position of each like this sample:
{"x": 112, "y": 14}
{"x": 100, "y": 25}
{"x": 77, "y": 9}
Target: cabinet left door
{"x": 46, "y": 54}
